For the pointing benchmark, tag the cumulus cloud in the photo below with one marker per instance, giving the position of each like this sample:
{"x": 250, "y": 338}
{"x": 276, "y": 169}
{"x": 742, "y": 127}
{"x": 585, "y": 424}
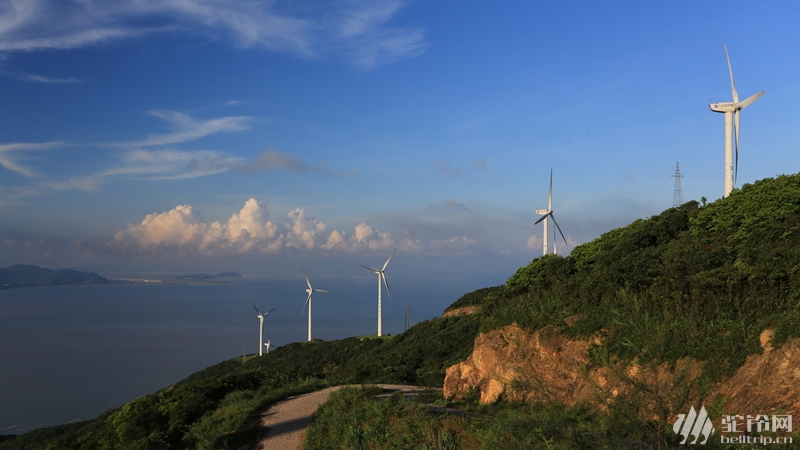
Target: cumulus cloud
{"x": 250, "y": 231}
{"x": 534, "y": 243}
{"x": 461, "y": 245}
{"x": 357, "y": 29}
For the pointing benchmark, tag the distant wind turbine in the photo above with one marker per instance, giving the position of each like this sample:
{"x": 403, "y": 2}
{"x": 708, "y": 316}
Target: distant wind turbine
{"x": 381, "y": 276}
{"x": 548, "y": 213}
{"x": 732, "y": 111}
{"x": 261, "y": 327}
{"x": 267, "y": 344}
{"x": 310, "y": 291}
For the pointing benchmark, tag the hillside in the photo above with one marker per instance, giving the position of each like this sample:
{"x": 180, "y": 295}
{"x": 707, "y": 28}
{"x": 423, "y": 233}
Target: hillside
{"x": 23, "y": 275}
{"x": 680, "y": 300}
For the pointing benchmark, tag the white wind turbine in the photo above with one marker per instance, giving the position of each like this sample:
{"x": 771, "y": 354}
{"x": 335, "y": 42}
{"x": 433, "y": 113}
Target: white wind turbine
{"x": 268, "y": 344}
{"x": 732, "y": 111}
{"x": 548, "y": 213}
{"x": 261, "y": 328}
{"x": 310, "y": 291}
{"x": 381, "y": 276}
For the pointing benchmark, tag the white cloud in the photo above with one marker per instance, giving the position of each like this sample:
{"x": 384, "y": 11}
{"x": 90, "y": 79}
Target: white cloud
{"x": 11, "y": 153}
{"x": 250, "y": 231}
{"x": 51, "y": 80}
{"x": 356, "y": 28}
{"x": 534, "y": 243}
{"x": 185, "y": 128}
{"x": 154, "y": 165}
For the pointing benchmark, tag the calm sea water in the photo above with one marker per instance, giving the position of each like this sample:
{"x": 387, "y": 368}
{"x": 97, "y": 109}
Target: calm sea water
{"x": 70, "y": 353}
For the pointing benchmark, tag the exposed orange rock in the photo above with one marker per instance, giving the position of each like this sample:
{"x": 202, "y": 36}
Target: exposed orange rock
{"x": 465, "y": 311}
{"x": 544, "y": 366}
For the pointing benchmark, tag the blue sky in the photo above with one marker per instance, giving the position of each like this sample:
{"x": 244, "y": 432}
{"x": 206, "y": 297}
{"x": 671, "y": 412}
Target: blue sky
{"x": 187, "y": 135}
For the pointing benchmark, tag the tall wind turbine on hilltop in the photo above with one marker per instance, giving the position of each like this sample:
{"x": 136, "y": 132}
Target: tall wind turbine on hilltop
{"x": 261, "y": 329}
{"x": 548, "y": 213}
{"x": 732, "y": 117}
{"x": 310, "y": 291}
{"x": 381, "y": 276}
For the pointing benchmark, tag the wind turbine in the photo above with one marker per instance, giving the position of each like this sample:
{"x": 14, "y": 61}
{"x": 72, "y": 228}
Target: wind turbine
{"x": 310, "y": 291}
{"x": 267, "y": 344}
{"x": 261, "y": 327}
{"x": 732, "y": 117}
{"x": 381, "y": 276}
{"x": 548, "y": 213}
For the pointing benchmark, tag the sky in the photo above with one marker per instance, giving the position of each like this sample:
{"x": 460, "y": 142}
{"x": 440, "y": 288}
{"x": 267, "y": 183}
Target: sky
{"x": 262, "y": 136}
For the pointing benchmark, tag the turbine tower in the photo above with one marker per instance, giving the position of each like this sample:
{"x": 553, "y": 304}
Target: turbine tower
{"x": 732, "y": 118}
{"x": 261, "y": 328}
{"x": 310, "y": 291}
{"x": 548, "y": 213}
{"x": 381, "y": 276}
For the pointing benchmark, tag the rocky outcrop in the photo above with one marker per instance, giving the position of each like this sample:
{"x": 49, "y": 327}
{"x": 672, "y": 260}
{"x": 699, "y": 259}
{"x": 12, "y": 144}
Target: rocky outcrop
{"x": 766, "y": 382}
{"x": 465, "y": 311}
{"x": 544, "y": 366}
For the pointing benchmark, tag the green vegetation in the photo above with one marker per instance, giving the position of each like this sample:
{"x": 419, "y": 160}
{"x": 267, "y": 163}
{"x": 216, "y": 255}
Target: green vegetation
{"x": 353, "y": 419}
{"x": 697, "y": 281}
{"x": 694, "y": 281}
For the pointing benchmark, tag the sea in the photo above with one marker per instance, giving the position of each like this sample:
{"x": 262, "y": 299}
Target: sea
{"x": 69, "y": 353}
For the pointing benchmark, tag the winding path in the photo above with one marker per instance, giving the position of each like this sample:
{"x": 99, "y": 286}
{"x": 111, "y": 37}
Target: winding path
{"x": 284, "y": 423}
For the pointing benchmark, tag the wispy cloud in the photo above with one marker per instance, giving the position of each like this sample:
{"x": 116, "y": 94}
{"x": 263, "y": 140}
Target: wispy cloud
{"x": 357, "y": 29}
{"x": 50, "y": 80}
{"x": 447, "y": 169}
{"x": 278, "y": 160}
{"x": 11, "y": 153}
{"x": 154, "y": 165}
{"x": 185, "y": 129}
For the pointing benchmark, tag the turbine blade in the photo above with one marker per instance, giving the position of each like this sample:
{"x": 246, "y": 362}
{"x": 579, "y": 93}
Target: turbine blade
{"x": 307, "y": 281}
{"x": 273, "y": 309}
{"x": 370, "y": 268}
{"x": 259, "y": 312}
{"x": 383, "y": 277}
{"x": 550, "y": 194}
{"x": 746, "y": 102}
{"x": 320, "y": 290}
{"x": 559, "y": 228}
{"x": 736, "y": 131}
{"x": 387, "y": 261}
{"x": 542, "y": 218}
{"x": 730, "y": 70}
{"x": 308, "y": 300}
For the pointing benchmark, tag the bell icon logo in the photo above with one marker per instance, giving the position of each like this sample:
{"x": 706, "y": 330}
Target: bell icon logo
{"x": 693, "y": 424}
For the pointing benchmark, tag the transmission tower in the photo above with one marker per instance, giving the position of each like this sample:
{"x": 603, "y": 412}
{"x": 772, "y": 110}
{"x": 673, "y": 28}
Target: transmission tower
{"x": 677, "y": 198}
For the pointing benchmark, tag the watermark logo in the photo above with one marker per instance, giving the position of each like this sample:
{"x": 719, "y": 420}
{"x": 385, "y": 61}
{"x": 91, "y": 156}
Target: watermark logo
{"x": 698, "y": 425}
{"x": 693, "y": 424}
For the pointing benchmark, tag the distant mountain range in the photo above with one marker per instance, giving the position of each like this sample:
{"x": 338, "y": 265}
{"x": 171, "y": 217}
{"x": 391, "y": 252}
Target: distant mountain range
{"x": 205, "y": 276}
{"x": 24, "y": 275}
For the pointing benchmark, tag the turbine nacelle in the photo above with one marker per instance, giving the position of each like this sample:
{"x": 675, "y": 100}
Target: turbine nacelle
{"x": 723, "y": 107}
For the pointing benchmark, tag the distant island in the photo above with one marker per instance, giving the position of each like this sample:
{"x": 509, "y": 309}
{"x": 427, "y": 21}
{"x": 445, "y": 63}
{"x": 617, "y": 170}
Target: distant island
{"x": 23, "y": 275}
{"x": 205, "y": 276}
